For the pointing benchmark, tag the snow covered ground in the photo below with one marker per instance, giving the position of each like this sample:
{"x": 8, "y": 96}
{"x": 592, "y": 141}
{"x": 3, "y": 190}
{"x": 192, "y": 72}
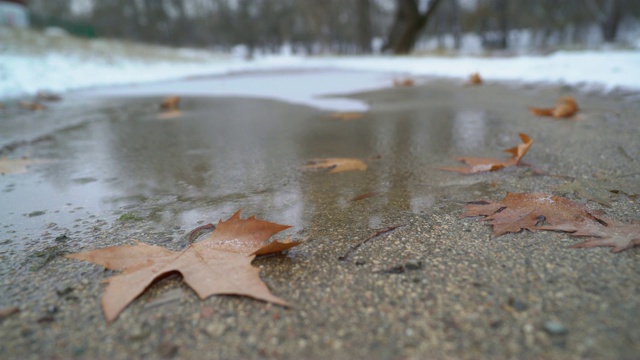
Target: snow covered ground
{"x": 23, "y": 73}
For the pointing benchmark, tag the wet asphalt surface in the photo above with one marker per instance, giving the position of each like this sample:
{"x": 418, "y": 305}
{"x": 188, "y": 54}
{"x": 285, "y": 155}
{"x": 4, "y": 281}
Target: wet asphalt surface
{"x": 436, "y": 287}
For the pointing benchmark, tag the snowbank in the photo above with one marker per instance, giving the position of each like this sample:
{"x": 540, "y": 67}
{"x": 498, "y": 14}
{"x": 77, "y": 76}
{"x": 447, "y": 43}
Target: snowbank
{"x": 23, "y": 73}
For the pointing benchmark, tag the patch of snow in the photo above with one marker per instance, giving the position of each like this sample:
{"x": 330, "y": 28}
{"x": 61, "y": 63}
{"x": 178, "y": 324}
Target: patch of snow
{"x": 25, "y": 74}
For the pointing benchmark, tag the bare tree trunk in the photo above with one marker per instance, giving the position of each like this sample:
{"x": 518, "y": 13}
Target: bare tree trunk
{"x": 503, "y": 24}
{"x": 457, "y": 29}
{"x": 612, "y": 15}
{"x": 364, "y": 25}
{"x": 407, "y": 25}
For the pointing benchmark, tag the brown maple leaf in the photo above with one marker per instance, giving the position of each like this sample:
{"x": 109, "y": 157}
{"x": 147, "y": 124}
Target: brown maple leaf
{"x": 220, "y": 264}
{"x": 33, "y": 106}
{"x": 534, "y": 211}
{"x": 608, "y": 232}
{"x": 565, "y": 107}
{"x": 346, "y": 116}
{"x": 407, "y": 82}
{"x": 46, "y": 96}
{"x": 170, "y": 108}
{"x": 337, "y": 164}
{"x": 477, "y": 165}
{"x": 170, "y": 103}
{"x": 474, "y": 79}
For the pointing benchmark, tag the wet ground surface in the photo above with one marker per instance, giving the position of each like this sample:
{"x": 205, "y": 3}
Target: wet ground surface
{"x": 438, "y": 286}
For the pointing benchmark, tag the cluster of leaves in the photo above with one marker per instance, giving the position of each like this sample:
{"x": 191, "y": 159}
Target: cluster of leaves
{"x": 221, "y": 264}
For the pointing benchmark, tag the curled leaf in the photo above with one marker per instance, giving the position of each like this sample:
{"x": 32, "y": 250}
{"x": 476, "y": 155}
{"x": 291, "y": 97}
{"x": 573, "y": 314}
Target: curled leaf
{"x": 337, "y": 165}
{"x": 565, "y": 107}
{"x": 474, "y": 79}
{"x": 476, "y": 164}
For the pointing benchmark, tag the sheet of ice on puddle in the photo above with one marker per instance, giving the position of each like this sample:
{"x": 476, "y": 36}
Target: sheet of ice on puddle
{"x": 311, "y": 88}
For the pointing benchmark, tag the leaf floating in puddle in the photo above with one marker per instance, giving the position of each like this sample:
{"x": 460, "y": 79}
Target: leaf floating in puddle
{"x": 477, "y": 165}
{"x": 337, "y": 165}
{"x": 219, "y": 264}
{"x": 565, "y": 107}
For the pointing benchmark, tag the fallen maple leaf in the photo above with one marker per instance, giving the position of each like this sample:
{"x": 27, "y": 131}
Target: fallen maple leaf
{"x": 170, "y": 107}
{"x": 407, "y": 82}
{"x": 565, "y": 107}
{"x": 477, "y": 165}
{"x": 346, "y": 116}
{"x": 337, "y": 164}
{"x": 45, "y": 96}
{"x": 33, "y": 106}
{"x": 474, "y": 79}
{"x": 534, "y": 211}
{"x": 170, "y": 103}
{"x": 220, "y": 264}
{"x": 615, "y": 234}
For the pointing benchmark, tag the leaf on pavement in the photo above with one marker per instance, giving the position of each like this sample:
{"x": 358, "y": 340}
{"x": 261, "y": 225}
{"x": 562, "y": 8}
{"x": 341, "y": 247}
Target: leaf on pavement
{"x": 406, "y": 82}
{"x": 599, "y": 190}
{"x": 565, "y": 107}
{"x": 534, "y": 211}
{"x": 219, "y": 264}
{"x": 337, "y": 165}
{"x": 17, "y": 166}
{"x": 33, "y": 106}
{"x": 346, "y": 116}
{"x": 474, "y": 79}
{"x": 47, "y": 96}
{"x": 615, "y": 234}
{"x": 476, "y": 165}
{"x": 170, "y": 107}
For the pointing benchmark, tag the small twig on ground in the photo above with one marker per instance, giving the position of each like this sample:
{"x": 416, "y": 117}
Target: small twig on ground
{"x": 375, "y": 235}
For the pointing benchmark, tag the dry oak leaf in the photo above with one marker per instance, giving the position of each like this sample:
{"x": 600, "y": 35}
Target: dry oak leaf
{"x": 565, "y": 107}
{"x": 337, "y": 165}
{"x": 219, "y": 264}
{"x": 477, "y": 165}
{"x": 534, "y": 211}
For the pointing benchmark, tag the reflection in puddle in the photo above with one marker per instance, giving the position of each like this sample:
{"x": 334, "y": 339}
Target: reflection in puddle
{"x": 227, "y": 154}
{"x": 469, "y": 129}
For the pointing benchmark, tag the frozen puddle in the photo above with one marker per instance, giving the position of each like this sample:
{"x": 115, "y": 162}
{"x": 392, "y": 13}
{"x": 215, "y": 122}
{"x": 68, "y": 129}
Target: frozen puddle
{"x": 304, "y": 87}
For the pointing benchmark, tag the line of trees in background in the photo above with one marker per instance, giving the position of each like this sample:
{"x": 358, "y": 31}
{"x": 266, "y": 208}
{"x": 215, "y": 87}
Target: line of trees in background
{"x": 345, "y": 26}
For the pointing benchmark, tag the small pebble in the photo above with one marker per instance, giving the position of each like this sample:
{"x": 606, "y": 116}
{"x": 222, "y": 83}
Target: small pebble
{"x": 413, "y": 264}
{"x": 555, "y": 328}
